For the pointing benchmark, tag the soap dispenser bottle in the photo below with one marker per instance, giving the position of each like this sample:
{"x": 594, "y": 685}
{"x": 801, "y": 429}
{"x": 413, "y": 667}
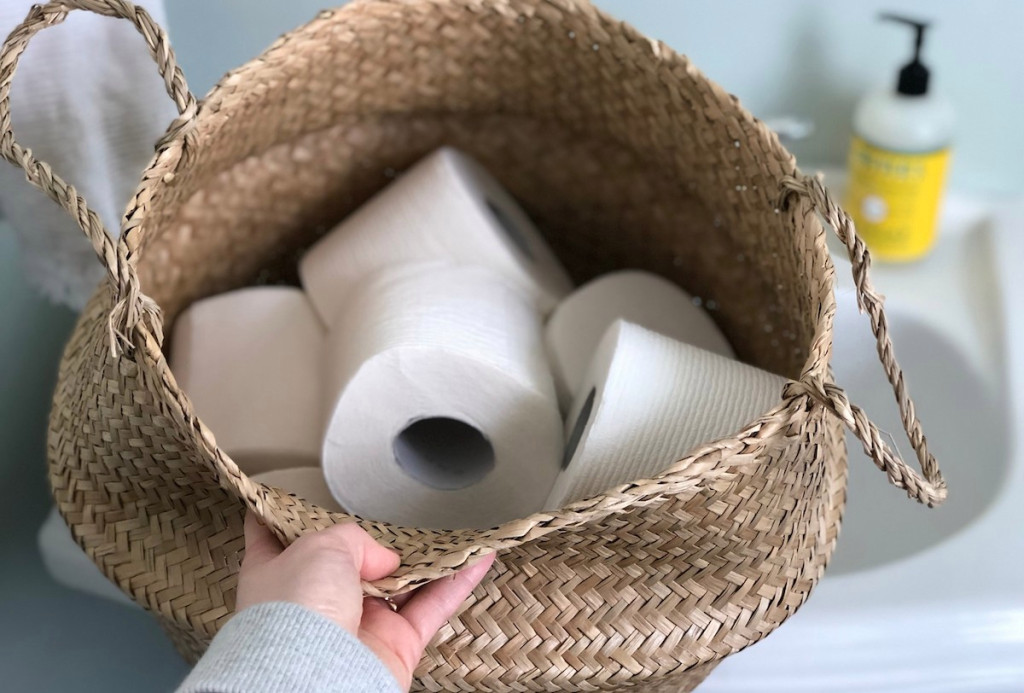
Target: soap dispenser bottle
{"x": 898, "y": 160}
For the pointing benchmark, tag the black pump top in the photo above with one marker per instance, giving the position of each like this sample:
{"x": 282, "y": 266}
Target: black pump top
{"x": 914, "y": 75}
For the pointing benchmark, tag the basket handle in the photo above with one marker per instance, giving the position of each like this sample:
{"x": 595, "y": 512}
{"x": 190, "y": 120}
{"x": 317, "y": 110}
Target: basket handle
{"x": 927, "y": 487}
{"x": 130, "y": 306}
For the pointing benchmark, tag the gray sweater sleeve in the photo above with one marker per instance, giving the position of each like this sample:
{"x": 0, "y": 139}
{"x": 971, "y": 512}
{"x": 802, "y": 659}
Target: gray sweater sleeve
{"x": 280, "y": 647}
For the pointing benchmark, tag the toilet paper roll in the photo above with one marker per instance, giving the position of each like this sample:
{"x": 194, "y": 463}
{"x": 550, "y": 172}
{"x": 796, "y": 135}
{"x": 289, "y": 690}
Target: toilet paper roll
{"x": 445, "y": 208}
{"x": 647, "y": 400}
{"x": 251, "y": 362}
{"x": 575, "y": 328}
{"x": 446, "y": 415}
{"x": 305, "y": 482}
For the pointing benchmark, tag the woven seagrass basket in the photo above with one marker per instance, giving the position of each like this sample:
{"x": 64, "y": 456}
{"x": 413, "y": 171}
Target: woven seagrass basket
{"x": 626, "y": 156}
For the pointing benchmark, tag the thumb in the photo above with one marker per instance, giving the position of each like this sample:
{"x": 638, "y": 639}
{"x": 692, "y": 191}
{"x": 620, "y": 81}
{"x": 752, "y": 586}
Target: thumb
{"x": 261, "y": 545}
{"x": 435, "y": 603}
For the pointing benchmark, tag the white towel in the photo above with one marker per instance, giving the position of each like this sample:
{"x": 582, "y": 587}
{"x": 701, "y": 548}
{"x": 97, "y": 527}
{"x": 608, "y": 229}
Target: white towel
{"x": 87, "y": 99}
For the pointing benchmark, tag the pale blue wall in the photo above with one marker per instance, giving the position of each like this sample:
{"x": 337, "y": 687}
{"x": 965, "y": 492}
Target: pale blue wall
{"x": 804, "y": 57}
{"x": 816, "y": 59}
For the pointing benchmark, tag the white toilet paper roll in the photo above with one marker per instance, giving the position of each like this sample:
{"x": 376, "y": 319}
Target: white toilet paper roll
{"x": 251, "y": 362}
{"x": 575, "y": 328}
{"x": 647, "y": 400}
{"x": 445, "y": 208}
{"x": 446, "y": 416}
{"x": 305, "y": 482}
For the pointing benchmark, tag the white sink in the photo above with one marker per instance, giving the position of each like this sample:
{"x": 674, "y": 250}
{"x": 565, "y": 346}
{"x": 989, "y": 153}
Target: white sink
{"x": 919, "y": 599}
{"x": 945, "y": 320}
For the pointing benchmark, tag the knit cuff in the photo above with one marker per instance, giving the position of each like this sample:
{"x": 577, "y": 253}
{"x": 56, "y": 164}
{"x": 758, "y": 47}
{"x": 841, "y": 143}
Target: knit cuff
{"x": 280, "y": 647}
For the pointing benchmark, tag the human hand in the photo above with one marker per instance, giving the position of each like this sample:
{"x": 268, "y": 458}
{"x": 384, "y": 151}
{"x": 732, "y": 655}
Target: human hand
{"x": 322, "y": 571}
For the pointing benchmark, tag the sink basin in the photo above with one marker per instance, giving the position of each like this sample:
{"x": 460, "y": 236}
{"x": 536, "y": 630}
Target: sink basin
{"x": 945, "y": 323}
{"x": 920, "y": 600}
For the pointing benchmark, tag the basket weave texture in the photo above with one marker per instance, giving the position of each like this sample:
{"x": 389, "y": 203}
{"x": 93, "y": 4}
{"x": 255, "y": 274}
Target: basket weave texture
{"x": 626, "y": 156}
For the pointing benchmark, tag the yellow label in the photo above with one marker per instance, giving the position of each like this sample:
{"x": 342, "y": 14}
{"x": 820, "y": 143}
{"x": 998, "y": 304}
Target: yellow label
{"x": 893, "y": 198}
